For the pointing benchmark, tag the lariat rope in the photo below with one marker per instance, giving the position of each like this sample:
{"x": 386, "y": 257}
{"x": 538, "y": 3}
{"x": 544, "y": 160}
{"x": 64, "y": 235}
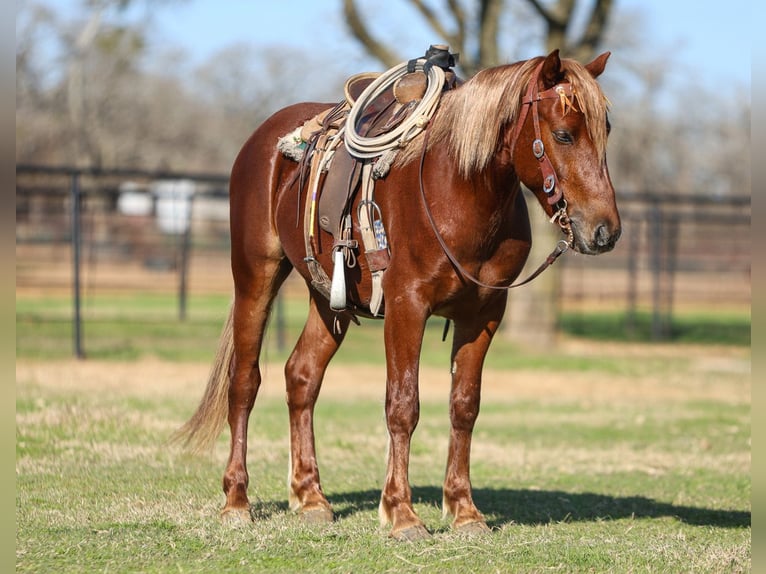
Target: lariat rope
{"x": 371, "y": 147}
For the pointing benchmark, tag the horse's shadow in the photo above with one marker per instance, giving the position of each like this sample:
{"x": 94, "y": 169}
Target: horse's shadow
{"x": 533, "y": 507}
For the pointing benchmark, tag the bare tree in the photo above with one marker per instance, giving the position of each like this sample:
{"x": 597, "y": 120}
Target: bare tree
{"x": 232, "y": 85}
{"x": 671, "y": 132}
{"x": 109, "y": 98}
{"x": 32, "y": 101}
{"x": 104, "y": 37}
{"x": 477, "y": 30}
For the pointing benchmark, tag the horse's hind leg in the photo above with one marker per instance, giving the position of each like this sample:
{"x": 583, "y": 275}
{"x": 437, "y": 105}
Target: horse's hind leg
{"x": 304, "y": 371}
{"x": 254, "y": 294}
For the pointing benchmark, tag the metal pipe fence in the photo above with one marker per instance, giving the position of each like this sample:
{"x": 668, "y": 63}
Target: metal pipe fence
{"x": 85, "y": 229}
{"x": 677, "y": 250}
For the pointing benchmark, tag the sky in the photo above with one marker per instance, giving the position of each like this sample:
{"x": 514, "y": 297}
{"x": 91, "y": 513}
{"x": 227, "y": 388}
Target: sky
{"x": 709, "y": 38}
{"x": 712, "y": 36}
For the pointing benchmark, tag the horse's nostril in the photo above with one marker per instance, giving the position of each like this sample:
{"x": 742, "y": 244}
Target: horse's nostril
{"x": 606, "y": 238}
{"x": 602, "y": 236}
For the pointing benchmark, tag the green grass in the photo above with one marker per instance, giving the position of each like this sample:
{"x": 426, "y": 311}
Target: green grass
{"x": 129, "y": 327}
{"x": 577, "y": 482}
{"x": 695, "y": 327}
{"x": 586, "y": 484}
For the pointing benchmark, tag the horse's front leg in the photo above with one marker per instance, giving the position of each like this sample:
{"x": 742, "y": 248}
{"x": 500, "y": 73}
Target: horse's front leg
{"x": 403, "y": 334}
{"x": 470, "y": 344}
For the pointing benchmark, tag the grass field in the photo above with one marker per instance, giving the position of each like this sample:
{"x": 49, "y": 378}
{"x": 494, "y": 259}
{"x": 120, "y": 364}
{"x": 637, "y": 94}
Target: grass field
{"x": 125, "y": 327}
{"x": 608, "y": 457}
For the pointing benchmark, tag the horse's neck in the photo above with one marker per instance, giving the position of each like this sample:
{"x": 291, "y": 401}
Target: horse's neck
{"x": 486, "y": 202}
{"x": 494, "y": 190}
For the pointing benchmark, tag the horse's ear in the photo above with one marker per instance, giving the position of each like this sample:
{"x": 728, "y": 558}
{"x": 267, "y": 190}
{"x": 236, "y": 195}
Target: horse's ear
{"x": 596, "y": 67}
{"x": 551, "y": 73}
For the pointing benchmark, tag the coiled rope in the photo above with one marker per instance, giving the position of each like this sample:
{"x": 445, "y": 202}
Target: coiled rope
{"x": 370, "y": 147}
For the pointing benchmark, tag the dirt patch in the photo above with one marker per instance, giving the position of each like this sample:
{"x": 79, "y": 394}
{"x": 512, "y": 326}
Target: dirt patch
{"x": 710, "y": 373}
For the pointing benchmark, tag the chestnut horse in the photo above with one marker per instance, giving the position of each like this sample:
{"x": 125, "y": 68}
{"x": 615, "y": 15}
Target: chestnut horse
{"x": 458, "y": 233}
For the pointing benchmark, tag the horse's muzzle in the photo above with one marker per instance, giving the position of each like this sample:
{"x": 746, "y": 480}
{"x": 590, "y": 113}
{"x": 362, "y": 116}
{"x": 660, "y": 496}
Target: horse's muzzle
{"x": 601, "y": 239}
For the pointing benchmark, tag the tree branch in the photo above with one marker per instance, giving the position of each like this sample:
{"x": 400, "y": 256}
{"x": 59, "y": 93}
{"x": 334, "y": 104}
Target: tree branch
{"x": 557, "y": 19}
{"x": 375, "y": 48}
{"x": 460, "y": 23}
{"x": 433, "y": 20}
{"x": 489, "y": 22}
{"x": 544, "y": 13}
{"x": 468, "y": 59}
{"x": 594, "y": 32}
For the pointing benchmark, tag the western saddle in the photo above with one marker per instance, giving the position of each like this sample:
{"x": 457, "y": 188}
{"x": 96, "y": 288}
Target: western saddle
{"x": 346, "y": 148}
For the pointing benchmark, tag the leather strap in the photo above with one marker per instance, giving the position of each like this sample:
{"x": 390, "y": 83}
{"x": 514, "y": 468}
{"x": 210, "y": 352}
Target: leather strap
{"x": 319, "y": 278}
{"x": 564, "y": 93}
{"x": 376, "y": 255}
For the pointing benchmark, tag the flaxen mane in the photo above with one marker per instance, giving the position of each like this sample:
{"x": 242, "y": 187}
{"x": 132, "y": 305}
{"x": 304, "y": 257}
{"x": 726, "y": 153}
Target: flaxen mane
{"x": 471, "y": 118}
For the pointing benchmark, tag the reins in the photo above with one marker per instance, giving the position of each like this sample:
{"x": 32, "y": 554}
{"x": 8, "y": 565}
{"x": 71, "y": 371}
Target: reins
{"x": 561, "y": 247}
{"x": 550, "y": 182}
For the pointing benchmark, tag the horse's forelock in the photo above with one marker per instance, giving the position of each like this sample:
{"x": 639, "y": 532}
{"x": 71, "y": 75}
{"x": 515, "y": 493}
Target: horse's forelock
{"x": 591, "y": 101}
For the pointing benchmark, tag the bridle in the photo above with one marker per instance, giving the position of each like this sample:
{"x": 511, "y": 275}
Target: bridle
{"x": 564, "y": 92}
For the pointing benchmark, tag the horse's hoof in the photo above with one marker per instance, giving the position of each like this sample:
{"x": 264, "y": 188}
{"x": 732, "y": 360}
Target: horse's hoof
{"x": 318, "y": 515}
{"x": 236, "y": 517}
{"x": 412, "y": 534}
{"x": 479, "y": 528}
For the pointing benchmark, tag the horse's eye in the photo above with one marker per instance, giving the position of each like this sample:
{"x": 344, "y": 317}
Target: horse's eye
{"x": 563, "y": 136}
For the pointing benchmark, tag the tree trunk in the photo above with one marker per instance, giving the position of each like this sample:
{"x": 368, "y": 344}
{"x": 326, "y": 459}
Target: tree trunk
{"x": 532, "y": 314}
{"x": 533, "y": 310}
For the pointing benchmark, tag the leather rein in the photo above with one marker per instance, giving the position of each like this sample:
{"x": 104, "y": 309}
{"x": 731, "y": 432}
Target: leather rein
{"x": 565, "y": 93}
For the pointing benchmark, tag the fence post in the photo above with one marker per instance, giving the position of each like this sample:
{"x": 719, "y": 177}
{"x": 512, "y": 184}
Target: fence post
{"x": 76, "y": 196}
{"x": 655, "y": 241}
{"x": 671, "y": 249}
{"x": 184, "y": 263}
{"x": 632, "y": 295}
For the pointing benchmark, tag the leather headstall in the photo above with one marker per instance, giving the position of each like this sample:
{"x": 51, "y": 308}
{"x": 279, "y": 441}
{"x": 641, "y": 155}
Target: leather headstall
{"x": 563, "y": 92}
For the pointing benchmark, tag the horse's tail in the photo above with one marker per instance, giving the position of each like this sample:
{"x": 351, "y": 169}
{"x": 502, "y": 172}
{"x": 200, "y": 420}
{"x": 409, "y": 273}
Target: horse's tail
{"x": 199, "y": 433}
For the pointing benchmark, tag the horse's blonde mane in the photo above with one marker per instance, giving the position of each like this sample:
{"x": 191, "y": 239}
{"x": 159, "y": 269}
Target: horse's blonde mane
{"x": 471, "y": 118}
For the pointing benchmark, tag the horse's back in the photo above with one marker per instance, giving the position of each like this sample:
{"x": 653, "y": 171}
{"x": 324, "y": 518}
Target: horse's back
{"x": 259, "y": 153}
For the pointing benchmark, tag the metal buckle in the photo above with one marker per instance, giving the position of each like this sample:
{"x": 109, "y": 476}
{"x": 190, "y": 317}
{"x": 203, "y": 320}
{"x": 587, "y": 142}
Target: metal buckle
{"x": 538, "y": 148}
{"x": 561, "y": 217}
